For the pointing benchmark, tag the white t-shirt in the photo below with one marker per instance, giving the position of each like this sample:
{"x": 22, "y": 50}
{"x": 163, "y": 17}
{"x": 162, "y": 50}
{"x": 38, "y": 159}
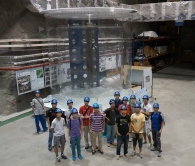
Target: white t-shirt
{"x": 147, "y": 108}
{"x": 67, "y": 113}
{"x": 58, "y": 126}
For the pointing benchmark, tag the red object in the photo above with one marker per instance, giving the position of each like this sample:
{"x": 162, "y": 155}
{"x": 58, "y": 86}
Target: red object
{"x": 89, "y": 112}
{"x": 128, "y": 108}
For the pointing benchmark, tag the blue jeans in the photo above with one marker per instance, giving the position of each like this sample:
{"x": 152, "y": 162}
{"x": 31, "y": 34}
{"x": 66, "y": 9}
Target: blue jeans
{"x": 120, "y": 139}
{"x": 111, "y": 132}
{"x": 76, "y": 140}
{"x": 40, "y": 118}
{"x": 50, "y": 139}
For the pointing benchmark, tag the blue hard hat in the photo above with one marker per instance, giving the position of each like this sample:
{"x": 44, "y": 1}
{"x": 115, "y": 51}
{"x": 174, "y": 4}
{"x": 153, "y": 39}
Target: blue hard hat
{"x": 86, "y": 99}
{"x": 155, "y": 105}
{"x": 123, "y": 107}
{"x": 37, "y": 91}
{"x": 146, "y": 97}
{"x": 117, "y": 93}
{"x": 95, "y": 105}
{"x": 125, "y": 98}
{"x": 74, "y": 111}
{"x": 54, "y": 101}
{"x": 132, "y": 97}
{"x": 58, "y": 110}
{"x": 137, "y": 105}
{"x": 111, "y": 101}
{"x": 69, "y": 101}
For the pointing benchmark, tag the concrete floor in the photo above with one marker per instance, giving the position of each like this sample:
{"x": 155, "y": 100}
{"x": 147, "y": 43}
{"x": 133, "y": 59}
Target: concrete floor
{"x": 174, "y": 89}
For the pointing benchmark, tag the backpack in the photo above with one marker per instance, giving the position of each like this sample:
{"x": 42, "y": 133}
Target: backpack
{"x": 79, "y": 122}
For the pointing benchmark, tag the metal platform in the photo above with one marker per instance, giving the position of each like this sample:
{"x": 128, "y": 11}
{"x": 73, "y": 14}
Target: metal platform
{"x": 89, "y": 13}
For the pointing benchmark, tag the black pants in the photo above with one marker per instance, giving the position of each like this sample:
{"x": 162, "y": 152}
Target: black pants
{"x": 120, "y": 139}
{"x": 156, "y": 138}
{"x": 137, "y": 137}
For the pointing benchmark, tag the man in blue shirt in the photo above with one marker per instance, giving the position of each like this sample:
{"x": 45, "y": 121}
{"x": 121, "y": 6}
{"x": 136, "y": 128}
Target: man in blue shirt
{"x": 117, "y": 101}
{"x": 157, "y": 123}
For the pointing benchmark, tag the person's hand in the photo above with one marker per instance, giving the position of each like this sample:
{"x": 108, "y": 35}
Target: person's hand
{"x": 102, "y": 131}
{"x": 91, "y": 131}
{"x": 118, "y": 134}
{"x": 69, "y": 137}
{"x": 150, "y": 129}
{"x": 160, "y": 131}
{"x": 49, "y": 127}
{"x": 87, "y": 117}
{"x": 136, "y": 131}
{"x": 127, "y": 134}
{"x": 108, "y": 119}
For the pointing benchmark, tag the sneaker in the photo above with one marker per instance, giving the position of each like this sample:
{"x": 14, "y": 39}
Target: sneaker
{"x": 153, "y": 149}
{"x": 127, "y": 155}
{"x": 101, "y": 152}
{"x": 73, "y": 158}
{"x": 80, "y": 157}
{"x": 87, "y": 147}
{"x": 144, "y": 142}
{"x": 63, "y": 156}
{"x": 93, "y": 152}
{"x": 117, "y": 157}
{"x": 113, "y": 143}
{"x": 58, "y": 159}
{"x": 149, "y": 146}
{"x": 108, "y": 145}
{"x": 159, "y": 154}
{"x": 40, "y": 132}
{"x": 140, "y": 155}
{"x": 130, "y": 139}
{"x": 133, "y": 154}
{"x": 50, "y": 148}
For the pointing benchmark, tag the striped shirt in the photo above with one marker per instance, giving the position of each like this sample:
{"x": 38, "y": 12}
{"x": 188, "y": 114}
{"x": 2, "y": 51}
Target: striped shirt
{"x": 97, "y": 122}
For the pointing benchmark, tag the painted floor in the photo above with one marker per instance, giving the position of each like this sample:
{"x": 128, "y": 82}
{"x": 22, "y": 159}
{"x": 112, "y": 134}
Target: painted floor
{"x": 174, "y": 89}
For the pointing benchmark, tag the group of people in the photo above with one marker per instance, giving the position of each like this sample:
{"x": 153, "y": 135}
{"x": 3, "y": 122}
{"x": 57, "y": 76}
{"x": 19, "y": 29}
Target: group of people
{"x": 125, "y": 122}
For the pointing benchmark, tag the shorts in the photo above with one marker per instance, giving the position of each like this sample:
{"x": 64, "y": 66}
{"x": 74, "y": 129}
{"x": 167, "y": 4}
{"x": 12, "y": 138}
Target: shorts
{"x": 59, "y": 140}
{"x": 147, "y": 127}
{"x": 137, "y": 137}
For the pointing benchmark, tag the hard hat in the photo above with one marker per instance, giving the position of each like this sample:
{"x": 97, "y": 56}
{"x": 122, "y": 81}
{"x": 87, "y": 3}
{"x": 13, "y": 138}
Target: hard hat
{"x": 37, "y": 91}
{"x": 146, "y": 97}
{"x": 125, "y": 98}
{"x": 137, "y": 105}
{"x": 117, "y": 93}
{"x": 95, "y": 105}
{"x": 155, "y": 105}
{"x": 111, "y": 101}
{"x": 123, "y": 107}
{"x": 54, "y": 101}
{"x": 69, "y": 101}
{"x": 132, "y": 97}
{"x": 86, "y": 99}
{"x": 74, "y": 111}
{"x": 58, "y": 110}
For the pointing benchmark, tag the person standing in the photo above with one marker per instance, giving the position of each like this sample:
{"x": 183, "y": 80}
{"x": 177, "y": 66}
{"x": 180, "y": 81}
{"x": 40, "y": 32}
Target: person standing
{"x": 75, "y": 133}
{"x": 117, "y": 102}
{"x": 123, "y": 129}
{"x": 96, "y": 125}
{"x": 132, "y": 102}
{"x": 157, "y": 123}
{"x": 110, "y": 118}
{"x": 85, "y": 111}
{"x": 137, "y": 124}
{"x": 38, "y": 110}
{"x": 147, "y": 110}
{"x": 57, "y": 126}
{"x": 125, "y": 102}
{"x": 68, "y": 112}
{"x": 51, "y": 115}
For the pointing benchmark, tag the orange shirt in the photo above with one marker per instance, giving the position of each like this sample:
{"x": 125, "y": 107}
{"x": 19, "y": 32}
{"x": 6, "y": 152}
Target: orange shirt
{"x": 128, "y": 108}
